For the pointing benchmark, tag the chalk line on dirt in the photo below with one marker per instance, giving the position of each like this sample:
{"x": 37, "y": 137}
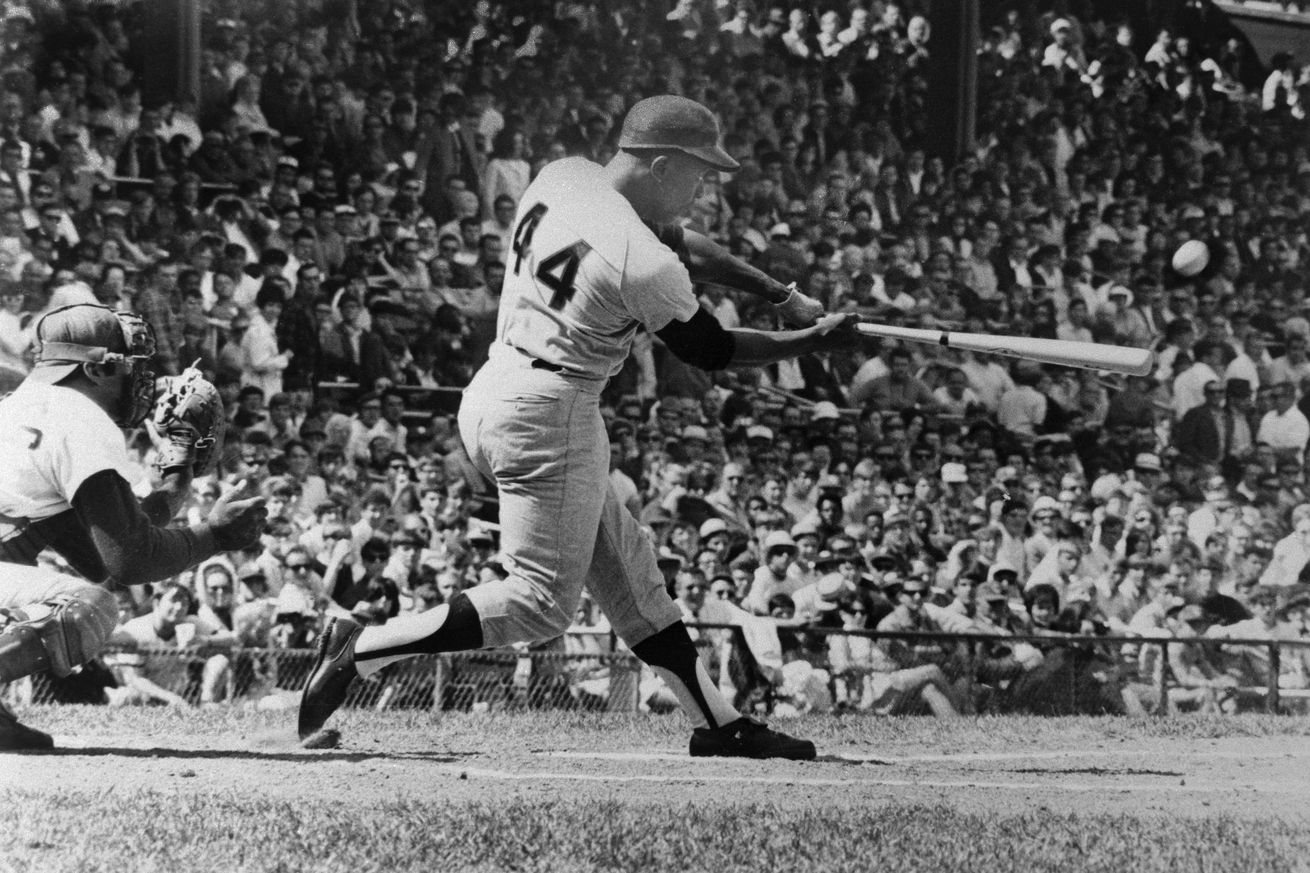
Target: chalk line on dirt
{"x": 782, "y": 780}
{"x": 959, "y": 757}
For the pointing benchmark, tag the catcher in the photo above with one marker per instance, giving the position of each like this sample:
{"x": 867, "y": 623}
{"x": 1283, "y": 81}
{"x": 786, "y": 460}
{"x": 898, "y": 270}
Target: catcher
{"x": 64, "y": 486}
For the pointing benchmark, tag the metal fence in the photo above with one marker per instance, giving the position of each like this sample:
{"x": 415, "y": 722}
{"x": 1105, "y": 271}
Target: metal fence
{"x": 819, "y": 669}
{"x": 907, "y": 673}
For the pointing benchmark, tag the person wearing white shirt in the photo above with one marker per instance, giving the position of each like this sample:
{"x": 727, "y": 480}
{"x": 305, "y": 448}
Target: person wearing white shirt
{"x": 14, "y": 340}
{"x": 1063, "y": 53}
{"x": 828, "y": 42}
{"x": 1206, "y": 518}
{"x": 719, "y": 305}
{"x": 391, "y": 424}
{"x": 1253, "y": 359}
{"x": 1076, "y": 326}
{"x": 1280, "y": 82}
{"x": 987, "y": 378}
{"x": 502, "y": 221}
{"x": 874, "y": 368}
{"x": 1285, "y": 427}
{"x": 859, "y": 27}
{"x": 956, "y": 396}
{"x": 1022, "y": 409}
{"x": 490, "y": 121}
{"x": 1018, "y": 261}
{"x": 1189, "y": 385}
{"x": 1291, "y": 553}
{"x": 1161, "y": 53}
{"x": 914, "y": 169}
{"x": 261, "y": 362}
{"x": 795, "y": 39}
{"x": 1179, "y": 338}
{"x": 1293, "y": 366}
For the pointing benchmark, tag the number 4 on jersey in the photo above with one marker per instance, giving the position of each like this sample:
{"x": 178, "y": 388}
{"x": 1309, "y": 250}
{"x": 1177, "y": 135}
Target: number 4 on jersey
{"x": 523, "y": 234}
{"x": 557, "y": 271}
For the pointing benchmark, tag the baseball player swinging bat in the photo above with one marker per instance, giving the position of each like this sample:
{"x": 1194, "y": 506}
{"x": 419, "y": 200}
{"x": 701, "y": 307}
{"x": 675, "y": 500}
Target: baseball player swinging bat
{"x": 1090, "y": 356}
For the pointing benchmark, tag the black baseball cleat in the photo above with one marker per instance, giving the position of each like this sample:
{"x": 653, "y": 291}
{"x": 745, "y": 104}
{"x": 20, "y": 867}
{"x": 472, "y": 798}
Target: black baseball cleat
{"x": 328, "y": 682}
{"x": 748, "y": 738}
{"x": 18, "y": 737}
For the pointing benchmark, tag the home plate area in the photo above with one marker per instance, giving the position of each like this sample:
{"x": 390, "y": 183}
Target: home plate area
{"x": 1225, "y": 774}
{"x": 1074, "y": 767}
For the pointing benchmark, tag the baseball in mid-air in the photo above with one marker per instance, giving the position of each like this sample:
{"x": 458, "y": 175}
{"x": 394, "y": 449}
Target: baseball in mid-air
{"x": 1191, "y": 257}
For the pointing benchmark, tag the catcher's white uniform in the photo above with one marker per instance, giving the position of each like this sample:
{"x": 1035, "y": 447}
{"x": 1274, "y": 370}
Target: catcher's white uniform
{"x": 64, "y": 485}
{"x": 583, "y": 273}
{"x": 52, "y": 439}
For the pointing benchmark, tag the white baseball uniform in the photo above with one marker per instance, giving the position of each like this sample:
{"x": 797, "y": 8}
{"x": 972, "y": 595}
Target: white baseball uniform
{"x": 584, "y": 272}
{"x": 52, "y": 439}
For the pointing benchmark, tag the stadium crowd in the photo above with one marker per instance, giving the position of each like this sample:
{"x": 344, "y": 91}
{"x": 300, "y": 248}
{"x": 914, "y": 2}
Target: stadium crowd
{"x": 326, "y": 226}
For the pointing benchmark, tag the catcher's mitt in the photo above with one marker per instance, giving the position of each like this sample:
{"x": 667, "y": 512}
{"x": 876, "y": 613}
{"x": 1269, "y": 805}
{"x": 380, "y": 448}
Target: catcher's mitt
{"x": 188, "y": 421}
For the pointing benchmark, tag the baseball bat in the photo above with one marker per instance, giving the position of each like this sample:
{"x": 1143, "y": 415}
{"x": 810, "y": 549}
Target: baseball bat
{"x": 1090, "y": 356}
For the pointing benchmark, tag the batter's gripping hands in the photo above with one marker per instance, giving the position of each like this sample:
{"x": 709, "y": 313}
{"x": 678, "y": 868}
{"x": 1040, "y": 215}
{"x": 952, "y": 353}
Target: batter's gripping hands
{"x": 188, "y": 422}
{"x": 799, "y": 309}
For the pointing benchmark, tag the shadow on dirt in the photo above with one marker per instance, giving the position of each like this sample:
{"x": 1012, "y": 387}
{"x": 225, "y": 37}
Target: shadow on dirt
{"x": 303, "y": 756}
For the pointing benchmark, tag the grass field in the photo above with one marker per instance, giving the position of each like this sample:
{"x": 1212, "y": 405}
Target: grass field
{"x": 156, "y": 790}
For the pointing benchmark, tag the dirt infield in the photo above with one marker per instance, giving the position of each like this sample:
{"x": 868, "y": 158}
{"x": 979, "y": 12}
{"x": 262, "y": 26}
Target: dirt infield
{"x": 1082, "y": 766}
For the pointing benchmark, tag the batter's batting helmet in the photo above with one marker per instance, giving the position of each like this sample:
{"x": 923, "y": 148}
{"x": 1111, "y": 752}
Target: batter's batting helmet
{"x": 669, "y": 122}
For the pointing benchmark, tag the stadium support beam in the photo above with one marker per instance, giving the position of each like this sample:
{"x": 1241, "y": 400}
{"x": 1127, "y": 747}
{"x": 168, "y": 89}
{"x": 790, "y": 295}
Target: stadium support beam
{"x": 953, "y": 78}
{"x": 173, "y": 34}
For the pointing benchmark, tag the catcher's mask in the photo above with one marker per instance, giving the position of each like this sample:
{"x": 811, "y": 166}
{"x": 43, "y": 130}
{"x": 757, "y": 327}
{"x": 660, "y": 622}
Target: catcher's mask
{"x": 85, "y": 333}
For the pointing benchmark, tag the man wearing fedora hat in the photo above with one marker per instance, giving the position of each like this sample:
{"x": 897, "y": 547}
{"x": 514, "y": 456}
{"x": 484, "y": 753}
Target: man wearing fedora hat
{"x": 818, "y": 600}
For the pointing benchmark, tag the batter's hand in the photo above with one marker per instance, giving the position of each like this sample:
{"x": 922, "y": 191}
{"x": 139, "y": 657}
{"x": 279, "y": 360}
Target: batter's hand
{"x": 837, "y": 331}
{"x": 238, "y": 520}
{"x": 799, "y": 309}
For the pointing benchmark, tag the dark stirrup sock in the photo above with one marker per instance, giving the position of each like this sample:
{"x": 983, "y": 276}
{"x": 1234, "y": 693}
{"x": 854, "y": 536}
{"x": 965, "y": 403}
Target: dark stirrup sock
{"x": 672, "y": 655}
{"x": 452, "y": 627}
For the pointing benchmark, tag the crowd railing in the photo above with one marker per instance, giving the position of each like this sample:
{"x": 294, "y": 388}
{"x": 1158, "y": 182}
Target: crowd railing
{"x": 814, "y": 669}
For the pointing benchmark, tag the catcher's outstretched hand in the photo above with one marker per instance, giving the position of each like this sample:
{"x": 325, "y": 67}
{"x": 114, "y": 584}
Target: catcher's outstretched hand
{"x": 187, "y": 423}
{"x": 236, "y": 519}
{"x": 799, "y": 309}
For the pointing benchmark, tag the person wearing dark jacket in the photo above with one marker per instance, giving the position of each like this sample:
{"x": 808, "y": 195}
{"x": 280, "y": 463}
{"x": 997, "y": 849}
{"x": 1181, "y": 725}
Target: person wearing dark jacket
{"x": 351, "y": 352}
{"x": 1204, "y": 434}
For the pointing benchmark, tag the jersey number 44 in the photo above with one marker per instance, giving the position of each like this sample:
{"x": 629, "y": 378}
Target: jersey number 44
{"x": 558, "y": 271}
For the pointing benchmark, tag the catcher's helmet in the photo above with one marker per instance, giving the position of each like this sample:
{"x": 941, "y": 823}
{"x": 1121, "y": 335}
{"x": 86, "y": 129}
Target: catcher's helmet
{"x": 86, "y": 333}
{"x": 671, "y": 122}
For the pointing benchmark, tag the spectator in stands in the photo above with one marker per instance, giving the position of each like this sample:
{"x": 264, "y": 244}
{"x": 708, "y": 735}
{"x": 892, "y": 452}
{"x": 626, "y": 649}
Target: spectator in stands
{"x": 158, "y": 675}
{"x": 1285, "y": 427}
{"x": 365, "y": 592}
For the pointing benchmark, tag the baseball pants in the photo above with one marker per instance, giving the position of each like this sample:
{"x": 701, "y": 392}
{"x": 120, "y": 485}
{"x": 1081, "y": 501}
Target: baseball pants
{"x": 22, "y": 585}
{"x": 72, "y": 619}
{"x": 540, "y": 437}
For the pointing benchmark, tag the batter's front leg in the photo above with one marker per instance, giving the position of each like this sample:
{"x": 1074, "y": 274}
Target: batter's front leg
{"x": 629, "y": 588}
{"x": 627, "y": 585}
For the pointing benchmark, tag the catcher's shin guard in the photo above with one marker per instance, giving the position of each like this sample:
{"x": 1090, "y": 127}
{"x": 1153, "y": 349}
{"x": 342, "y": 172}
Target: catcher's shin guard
{"x": 57, "y": 635}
